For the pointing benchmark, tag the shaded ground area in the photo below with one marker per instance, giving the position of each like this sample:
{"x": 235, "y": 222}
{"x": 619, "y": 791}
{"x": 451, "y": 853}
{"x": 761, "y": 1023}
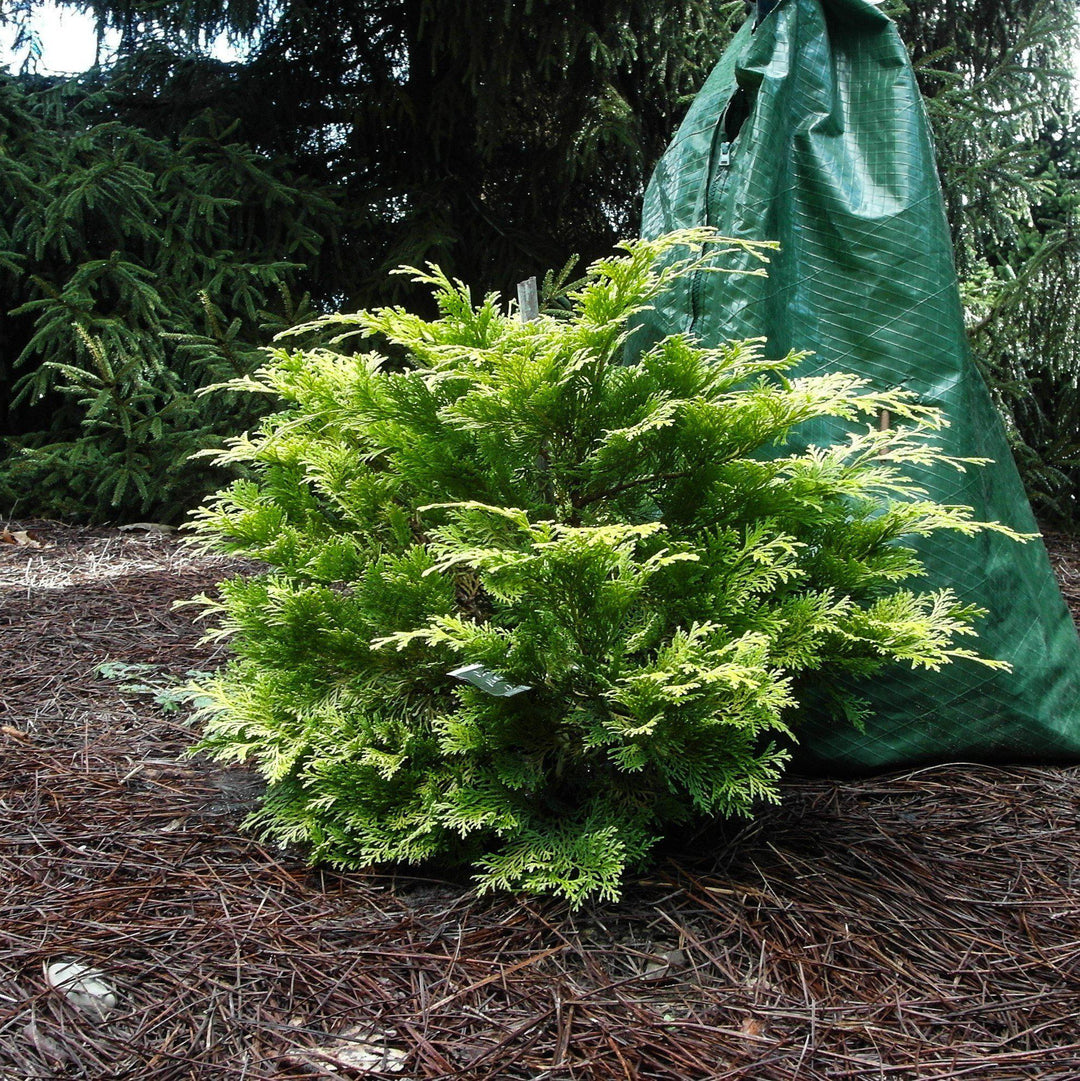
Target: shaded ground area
{"x": 916, "y": 926}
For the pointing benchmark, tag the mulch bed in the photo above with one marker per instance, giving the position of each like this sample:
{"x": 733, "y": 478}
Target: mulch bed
{"x": 924, "y": 925}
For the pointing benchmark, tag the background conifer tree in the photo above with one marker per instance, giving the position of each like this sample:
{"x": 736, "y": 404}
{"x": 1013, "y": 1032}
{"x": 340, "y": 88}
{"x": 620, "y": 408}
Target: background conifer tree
{"x": 1000, "y": 82}
{"x": 135, "y": 270}
{"x": 492, "y": 138}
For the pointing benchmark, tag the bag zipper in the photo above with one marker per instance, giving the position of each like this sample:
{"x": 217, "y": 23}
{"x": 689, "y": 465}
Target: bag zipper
{"x": 717, "y": 178}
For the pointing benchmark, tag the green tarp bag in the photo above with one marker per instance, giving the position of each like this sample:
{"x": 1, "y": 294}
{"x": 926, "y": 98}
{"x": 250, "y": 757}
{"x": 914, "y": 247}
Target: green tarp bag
{"x": 811, "y": 131}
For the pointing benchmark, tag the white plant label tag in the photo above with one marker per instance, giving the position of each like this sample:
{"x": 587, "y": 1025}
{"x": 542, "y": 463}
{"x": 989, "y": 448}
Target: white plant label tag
{"x": 487, "y": 681}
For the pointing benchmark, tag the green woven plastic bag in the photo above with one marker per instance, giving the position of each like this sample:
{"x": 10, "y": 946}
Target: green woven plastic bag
{"x": 811, "y": 132}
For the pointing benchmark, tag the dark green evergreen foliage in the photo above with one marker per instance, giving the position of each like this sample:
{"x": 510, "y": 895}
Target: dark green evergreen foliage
{"x": 493, "y": 138}
{"x": 996, "y": 74}
{"x": 1026, "y": 329}
{"x": 134, "y": 270}
{"x": 999, "y": 80}
{"x": 632, "y": 543}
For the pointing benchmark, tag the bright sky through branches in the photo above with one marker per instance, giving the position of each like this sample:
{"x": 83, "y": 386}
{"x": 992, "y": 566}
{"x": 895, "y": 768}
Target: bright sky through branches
{"x": 69, "y": 42}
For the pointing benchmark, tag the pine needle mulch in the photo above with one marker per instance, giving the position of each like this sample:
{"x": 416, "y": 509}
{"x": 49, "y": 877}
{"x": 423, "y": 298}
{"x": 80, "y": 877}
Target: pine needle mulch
{"x": 916, "y": 926}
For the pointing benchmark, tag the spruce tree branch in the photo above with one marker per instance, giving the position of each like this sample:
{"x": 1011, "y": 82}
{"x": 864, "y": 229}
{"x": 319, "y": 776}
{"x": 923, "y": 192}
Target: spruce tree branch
{"x": 1015, "y": 289}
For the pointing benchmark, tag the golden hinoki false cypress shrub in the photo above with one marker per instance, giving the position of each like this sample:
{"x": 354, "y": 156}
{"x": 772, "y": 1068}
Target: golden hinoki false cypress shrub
{"x": 636, "y": 574}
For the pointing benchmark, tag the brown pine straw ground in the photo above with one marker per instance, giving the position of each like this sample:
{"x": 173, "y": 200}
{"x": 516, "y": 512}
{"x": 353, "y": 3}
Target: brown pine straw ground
{"x": 920, "y": 925}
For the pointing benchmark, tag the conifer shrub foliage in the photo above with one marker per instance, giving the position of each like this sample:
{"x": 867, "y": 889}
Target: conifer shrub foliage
{"x": 655, "y": 579}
